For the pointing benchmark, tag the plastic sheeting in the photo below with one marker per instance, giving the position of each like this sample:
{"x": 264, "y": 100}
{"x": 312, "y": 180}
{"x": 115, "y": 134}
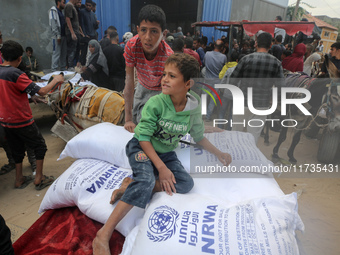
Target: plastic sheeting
{"x": 215, "y": 10}
{"x": 113, "y": 13}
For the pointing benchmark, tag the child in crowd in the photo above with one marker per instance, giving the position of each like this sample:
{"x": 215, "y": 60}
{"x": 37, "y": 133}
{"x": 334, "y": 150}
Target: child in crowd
{"x": 146, "y": 52}
{"x": 166, "y": 118}
{"x": 29, "y": 60}
{"x": 16, "y": 114}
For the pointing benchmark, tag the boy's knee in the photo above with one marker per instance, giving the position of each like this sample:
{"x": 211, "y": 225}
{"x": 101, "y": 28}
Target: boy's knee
{"x": 186, "y": 185}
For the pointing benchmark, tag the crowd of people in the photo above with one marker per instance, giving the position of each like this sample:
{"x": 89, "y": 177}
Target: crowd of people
{"x": 163, "y": 62}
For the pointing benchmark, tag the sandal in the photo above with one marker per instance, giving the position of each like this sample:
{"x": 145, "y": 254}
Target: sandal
{"x": 7, "y": 168}
{"x": 44, "y": 183}
{"x": 27, "y": 180}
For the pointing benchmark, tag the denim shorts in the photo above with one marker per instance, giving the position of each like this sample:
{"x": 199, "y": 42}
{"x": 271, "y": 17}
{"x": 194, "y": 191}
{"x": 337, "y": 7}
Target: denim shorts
{"x": 145, "y": 174}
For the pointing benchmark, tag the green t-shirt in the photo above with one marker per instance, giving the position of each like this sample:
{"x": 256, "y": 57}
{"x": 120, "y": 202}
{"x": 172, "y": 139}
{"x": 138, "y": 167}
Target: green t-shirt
{"x": 164, "y": 127}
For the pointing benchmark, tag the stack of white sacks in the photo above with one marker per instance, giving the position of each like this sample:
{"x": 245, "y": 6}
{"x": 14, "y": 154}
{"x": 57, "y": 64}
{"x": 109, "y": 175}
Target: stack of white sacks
{"x": 235, "y": 210}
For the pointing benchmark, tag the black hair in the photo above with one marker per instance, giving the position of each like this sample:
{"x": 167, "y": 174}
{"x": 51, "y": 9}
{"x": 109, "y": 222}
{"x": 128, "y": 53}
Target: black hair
{"x": 246, "y": 43}
{"x": 178, "y": 44}
{"x": 287, "y": 53}
{"x": 279, "y": 18}
{"x": 189, "y": 42}
{"x": 56, "y": 1}
{"x": 234, "y": 56}
{"x": 112, "y": 28}
{"x": 11, "y": 50}
{"x": 29, "y": 49}
{"x": 264, "y": 40}
{"x": 278, "y": 38}
{"x": 199, "y": 40}
{"x": 204, "y": 40}
{"x": 94, "y": 4}
{"x": 113, "y": 35}
{"x": 252, "y": 43}
{"x": 219, "y": 45}
{"x": 186, "y": 64}
{"x": 152, "y": 13}
{"x": 336, "y": 45}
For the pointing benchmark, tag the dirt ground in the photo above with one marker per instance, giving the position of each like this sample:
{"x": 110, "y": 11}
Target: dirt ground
{"x": 319, "y": 195}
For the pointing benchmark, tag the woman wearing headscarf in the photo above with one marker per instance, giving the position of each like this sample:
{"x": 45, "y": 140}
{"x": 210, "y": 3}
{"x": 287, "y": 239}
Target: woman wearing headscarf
{"x": 96, "y": 69}
{"x": 294, "y": 62}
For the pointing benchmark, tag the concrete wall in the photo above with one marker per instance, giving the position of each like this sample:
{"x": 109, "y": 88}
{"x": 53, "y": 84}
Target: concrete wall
{"x": 27, "y": 23}
{"x": 258, "y": 10}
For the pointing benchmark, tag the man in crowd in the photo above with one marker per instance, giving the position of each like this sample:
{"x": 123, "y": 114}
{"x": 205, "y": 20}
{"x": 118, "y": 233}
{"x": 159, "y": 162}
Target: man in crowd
{"x": 106, "y": 39}
{"x": 57, "y": 23}
{"x": 73, "y": 31}
{"x": 188, "y": 45}
{"x": 198, "y": 47}
{"x": 256, "y": 69}
{"x": 335, "y": 57}
{"x": 116, "y": 63}
{"x": 214, "y": 62}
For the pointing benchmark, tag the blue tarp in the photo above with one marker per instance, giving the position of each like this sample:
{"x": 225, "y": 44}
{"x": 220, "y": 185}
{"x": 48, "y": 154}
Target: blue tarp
{"x": 113, "y": 13}
{"x": 215, "y": 10}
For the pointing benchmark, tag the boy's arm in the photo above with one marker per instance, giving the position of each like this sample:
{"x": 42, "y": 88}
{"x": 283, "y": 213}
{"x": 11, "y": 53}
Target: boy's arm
{"x": 128, "y": 96}
{"x": 57, "y": 79}
{"x": 166, "y": 177}
{"x": 224, "y": 157}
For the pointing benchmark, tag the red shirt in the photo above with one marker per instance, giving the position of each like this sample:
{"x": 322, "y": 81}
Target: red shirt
{"x": 15, "y": 110}
{"x": 149, "y": 73}
{"x": 194, "y": 54}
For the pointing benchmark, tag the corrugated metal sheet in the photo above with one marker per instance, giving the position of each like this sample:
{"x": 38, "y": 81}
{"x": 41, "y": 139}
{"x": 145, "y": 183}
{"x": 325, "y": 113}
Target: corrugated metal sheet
{"x": 113, "y": 13}
{"x": 215, "y": 10}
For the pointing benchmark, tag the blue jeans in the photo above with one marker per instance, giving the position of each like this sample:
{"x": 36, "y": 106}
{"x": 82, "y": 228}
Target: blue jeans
{"x": 139, "y": 192}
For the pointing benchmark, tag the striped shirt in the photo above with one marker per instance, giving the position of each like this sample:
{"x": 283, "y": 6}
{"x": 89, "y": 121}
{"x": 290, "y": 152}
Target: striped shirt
{"x": 149, "y": 73}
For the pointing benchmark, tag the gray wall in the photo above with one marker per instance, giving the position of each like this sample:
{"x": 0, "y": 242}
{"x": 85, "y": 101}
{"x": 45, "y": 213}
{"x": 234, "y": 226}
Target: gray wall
{"x": 257, "y": 10}
{"x": 27, "y": 23}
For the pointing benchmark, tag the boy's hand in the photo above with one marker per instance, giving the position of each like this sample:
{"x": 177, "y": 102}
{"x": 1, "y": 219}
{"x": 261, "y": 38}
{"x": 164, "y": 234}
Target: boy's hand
{"x": 225, "y": 158}
{"x": 130, "y": 126}
{"x": 58, "y": 78}
{"x": 37, "y": 99}
{"x": 167, "y": 180}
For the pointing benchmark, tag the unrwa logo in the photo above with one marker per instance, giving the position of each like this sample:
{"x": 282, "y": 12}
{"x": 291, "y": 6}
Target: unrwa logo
{"x": 204, "y": 96}
{"x": 162, "y": 223}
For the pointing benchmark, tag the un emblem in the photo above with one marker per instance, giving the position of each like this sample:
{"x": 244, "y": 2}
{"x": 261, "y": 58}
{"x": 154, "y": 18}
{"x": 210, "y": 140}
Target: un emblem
{"x": 162, "y": 224}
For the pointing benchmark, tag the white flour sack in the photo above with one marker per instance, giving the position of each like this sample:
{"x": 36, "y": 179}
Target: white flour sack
{"x": 104, "y": 141}
{"x": 88, "y": 184}
{"x": 246, "y": 157}
{"x": 194, "y": 224}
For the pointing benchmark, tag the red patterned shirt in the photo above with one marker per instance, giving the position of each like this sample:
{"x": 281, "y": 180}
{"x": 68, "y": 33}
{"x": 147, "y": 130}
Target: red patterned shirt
{"x": 149, "y": 73}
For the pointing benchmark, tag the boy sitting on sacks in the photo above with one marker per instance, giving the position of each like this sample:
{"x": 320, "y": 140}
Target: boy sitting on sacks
{"x": 166, "y": 118}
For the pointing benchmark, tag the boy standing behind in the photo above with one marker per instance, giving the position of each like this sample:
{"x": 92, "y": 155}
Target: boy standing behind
{"x": 16, "y": 114}
{"x": 166, "y": 118}
{"x": 29, "y": 60}
{"x": 147, "y": 52}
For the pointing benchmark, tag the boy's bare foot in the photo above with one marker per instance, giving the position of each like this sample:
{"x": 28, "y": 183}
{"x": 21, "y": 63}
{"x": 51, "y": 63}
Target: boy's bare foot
{"x": 118, "y": 193}
{"x": 100, "y": 246}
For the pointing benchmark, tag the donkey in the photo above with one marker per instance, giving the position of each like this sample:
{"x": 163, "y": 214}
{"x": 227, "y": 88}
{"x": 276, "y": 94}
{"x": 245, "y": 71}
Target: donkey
{"x": 85, "y": 106}
{"x": 318, "y": 88}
